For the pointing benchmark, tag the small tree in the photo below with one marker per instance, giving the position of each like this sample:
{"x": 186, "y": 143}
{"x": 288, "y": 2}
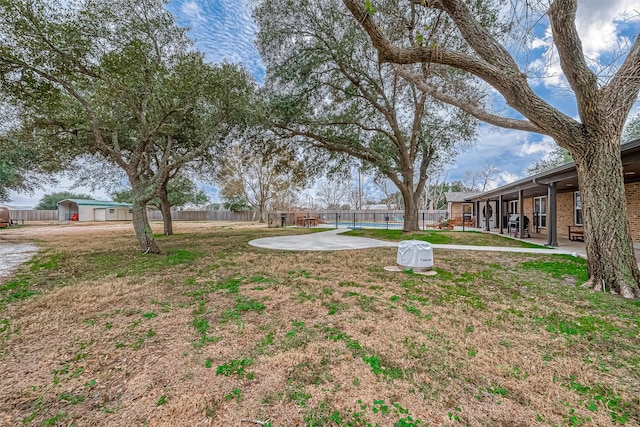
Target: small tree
{"x": 385, "y": 187}
{"x": 435, "y": 189}
{"x": 331, "y": 193}
{"x": 234, "y": 203}
{"x": 260, "y": 174}
{"x": 480, "y": 180}
{"x": 179, "y": 191}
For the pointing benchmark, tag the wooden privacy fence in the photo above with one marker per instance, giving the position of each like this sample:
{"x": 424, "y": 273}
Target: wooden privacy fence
{"x": 52, "y": 215}
{"x": 206, "y": 216}
{"x": 31, "y": 215}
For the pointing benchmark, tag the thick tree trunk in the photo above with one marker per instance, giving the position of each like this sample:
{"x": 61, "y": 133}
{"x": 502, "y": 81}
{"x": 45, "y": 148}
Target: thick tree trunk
{"x": 142, "y": 228}
{"x": 165, "y": 208}
{"x": 611, "y": 261}
{"x": 411, "y": 221}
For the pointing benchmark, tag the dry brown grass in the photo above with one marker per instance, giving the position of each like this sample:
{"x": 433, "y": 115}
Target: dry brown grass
{"x": 479, "y": 341}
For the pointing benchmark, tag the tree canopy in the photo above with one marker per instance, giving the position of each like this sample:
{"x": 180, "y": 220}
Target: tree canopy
{"x": 632, "y": 129}
{"x": 180, "y": 190}
{"x": 327, "y": 91}
{"x": 116, "y": 79}
{"x": 19, "y": 167}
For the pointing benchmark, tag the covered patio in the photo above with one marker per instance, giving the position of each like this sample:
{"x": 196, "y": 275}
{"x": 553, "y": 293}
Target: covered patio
{"x": 551, "y": 201}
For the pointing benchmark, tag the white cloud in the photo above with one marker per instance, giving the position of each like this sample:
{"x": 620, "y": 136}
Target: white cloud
{"x": 537, "y": 43}
{"x": 541, "y": 148}
{"x": 193, "y": 11}
{"x": 599, "y": 23}
{"x": 222, "y": 29}
{"x": 603, "y": 27}
{"x": 507, "y": 177}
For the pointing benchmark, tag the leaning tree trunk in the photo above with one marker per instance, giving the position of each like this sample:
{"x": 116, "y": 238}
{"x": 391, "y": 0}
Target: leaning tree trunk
{"x": 165, "y": 208}
{"x": 143, "y": 229}
{"x": 611, "y": 261}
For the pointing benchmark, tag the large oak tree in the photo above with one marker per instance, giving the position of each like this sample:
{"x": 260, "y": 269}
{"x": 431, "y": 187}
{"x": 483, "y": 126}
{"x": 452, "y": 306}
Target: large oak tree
{"x": 593, "y": 139}
{"x": 116, "y": 79}
{"x": 328, "y": 92}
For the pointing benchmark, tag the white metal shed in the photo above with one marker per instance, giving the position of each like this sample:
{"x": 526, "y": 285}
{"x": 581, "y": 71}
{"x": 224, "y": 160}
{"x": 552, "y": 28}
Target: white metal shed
{"x": 93, "y": 210}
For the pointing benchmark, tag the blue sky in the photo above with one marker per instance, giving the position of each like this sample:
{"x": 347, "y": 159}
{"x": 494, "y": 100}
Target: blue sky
{"x": 224, "y": 30}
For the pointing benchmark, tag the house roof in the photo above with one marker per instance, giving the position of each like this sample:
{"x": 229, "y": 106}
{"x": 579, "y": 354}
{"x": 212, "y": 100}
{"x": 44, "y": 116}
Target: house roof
{"x": 565, "y": 177}
{"x": 460, "y": 196}
{"x": 96, "y": 203}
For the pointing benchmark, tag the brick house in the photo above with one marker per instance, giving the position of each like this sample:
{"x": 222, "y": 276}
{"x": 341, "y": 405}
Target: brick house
{"x": 458, "y": 208}
{"x": 551, "y": 200}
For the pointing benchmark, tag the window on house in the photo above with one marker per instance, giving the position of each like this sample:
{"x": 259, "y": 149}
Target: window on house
{"x": 577, "y": 203}
{"x": 112, "y": 211}
{"x": 467, "y": 210}
{"x": 513, "y": 207}
{"x": 540, "y": 211}
{"x": 130, "y": 211}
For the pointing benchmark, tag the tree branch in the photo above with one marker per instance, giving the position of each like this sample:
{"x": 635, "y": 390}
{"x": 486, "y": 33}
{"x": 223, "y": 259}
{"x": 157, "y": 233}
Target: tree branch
{"x": 622, "y": 92}
{"x": 496, "y": 66}
{"x": 469, "y": 108}
{"x": 582, "y": 80}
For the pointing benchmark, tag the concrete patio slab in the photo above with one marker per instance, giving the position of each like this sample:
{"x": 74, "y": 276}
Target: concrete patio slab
{"x": 322, "y": 241}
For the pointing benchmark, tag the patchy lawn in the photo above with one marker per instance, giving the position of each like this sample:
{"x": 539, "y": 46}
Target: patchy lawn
{"x": 216, "y": 332}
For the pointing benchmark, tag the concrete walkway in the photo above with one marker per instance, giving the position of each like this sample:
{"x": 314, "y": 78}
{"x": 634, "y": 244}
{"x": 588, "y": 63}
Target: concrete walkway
{"x": 332, "y": 241}
{"x": 12, "y": 254}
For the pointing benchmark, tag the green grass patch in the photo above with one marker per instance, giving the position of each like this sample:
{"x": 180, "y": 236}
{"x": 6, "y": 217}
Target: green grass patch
{"x": 602, "y": 397}
{"x": 582, "y": 326}
{"x": 377, "y": 368}
{"x": 235, "y": 367}
{"x": 128, "y": 263}
{"x": 563, "y": 266}
{"x": 42, "y": 273}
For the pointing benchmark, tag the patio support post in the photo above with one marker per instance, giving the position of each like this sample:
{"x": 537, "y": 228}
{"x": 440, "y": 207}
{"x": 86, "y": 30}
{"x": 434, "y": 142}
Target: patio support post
{"x": 521, "y": 213}
{"x": 477, "y": 205}
{"x": 552, "y": 215}
{"x": 486, "y": 215}
{"x": 500, "y": 207}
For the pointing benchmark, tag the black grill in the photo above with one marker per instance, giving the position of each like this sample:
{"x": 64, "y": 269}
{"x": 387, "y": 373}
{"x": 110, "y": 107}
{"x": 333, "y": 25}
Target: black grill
{"x": 514, "y": 225}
